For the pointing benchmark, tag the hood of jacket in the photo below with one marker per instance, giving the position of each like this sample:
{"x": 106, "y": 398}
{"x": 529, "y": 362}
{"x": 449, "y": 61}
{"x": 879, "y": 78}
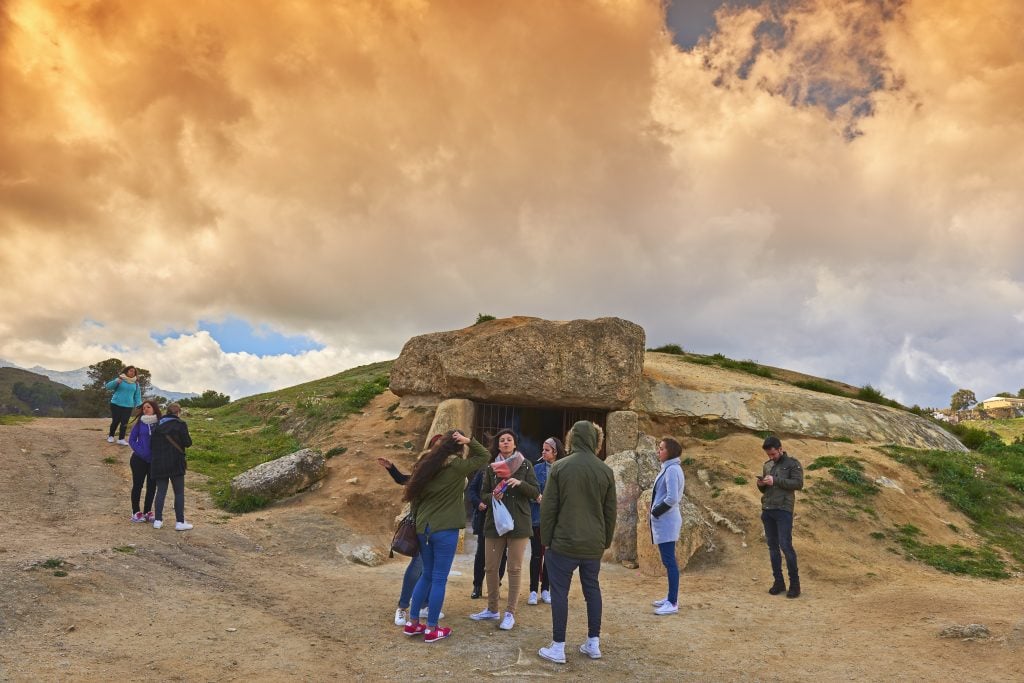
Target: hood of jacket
{"x": 584, "y": 436}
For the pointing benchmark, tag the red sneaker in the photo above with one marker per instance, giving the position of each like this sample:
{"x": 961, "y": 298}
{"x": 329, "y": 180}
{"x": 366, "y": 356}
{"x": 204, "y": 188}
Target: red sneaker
{"x": 439, "y": 633}
{"x": 412, "y": 629}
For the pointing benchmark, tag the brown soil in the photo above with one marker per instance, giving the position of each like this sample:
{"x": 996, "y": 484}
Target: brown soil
{"x": 272, "y": 596}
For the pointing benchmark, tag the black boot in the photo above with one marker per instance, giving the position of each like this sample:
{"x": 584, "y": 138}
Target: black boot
{"x": 794, "y": 589}
{"x": 778, "y": 587}
{"x": 475, "y": 594}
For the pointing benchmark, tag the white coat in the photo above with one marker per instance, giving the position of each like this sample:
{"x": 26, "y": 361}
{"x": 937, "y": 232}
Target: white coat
{"x": 668, "y": 489}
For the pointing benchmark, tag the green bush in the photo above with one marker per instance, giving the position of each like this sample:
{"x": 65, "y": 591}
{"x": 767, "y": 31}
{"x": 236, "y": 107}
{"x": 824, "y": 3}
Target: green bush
{"x": 871, "y": 395}
{"x": 674, "y": 349}
{"x": 848, "y": 473}
{"x": 819, "y": 386}
{"x": 483, "y": 317}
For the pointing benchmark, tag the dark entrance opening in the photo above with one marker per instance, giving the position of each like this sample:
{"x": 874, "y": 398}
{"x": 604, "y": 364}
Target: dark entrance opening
{"x": 532, "y": 424}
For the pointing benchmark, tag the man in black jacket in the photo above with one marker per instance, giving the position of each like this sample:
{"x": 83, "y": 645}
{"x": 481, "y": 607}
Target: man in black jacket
{"x": 782, "y": 475}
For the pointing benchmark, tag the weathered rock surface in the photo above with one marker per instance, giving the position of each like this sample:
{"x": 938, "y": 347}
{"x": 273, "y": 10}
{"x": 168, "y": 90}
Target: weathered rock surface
{"x": 627, "y": 490}
{"x": 965, "y": 631}
{"x": 674, "y": 388}
{"x": 282, "y": 477}
{"x": 621, "y": 431}
{"x": 695, "y": 533}
{"x": 647, "y": 464}
{"x": 452, "y": 413}
{"x": 366, "y": 555}
{"x": 527, "y": 361}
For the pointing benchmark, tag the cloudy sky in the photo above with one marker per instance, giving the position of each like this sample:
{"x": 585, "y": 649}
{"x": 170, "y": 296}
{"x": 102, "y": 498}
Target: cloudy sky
{"x": 246, "y": 200}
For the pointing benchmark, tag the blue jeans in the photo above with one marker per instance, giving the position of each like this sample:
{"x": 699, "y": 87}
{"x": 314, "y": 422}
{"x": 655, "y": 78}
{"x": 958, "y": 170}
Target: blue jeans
{"x": 778, "y": 533}
{"x": 438, "y": 552}
{"x": 412, "y": 576}
{"x": 668, "y": 558}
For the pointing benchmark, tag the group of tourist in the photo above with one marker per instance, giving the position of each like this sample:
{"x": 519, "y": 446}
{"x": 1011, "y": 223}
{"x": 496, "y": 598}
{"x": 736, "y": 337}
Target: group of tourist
{"x": 158, "y": 442}
{"x": 564, "y": 506}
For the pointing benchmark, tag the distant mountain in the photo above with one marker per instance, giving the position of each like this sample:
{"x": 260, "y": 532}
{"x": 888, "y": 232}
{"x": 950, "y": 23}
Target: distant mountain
{"x": 77, "y": 379}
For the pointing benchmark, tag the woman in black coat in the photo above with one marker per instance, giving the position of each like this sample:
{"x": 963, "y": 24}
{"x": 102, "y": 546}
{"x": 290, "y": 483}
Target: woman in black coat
{"x": 169, "y": 441}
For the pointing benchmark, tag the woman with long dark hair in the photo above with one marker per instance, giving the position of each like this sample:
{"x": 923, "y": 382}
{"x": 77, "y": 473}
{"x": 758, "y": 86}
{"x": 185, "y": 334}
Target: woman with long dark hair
{"x": 436, "y": 491}
{"x": 510, "y": 480}
{"x": 126, "y": 398}
{"x": 142, "y": 455}
{"x": 550, "y": 451}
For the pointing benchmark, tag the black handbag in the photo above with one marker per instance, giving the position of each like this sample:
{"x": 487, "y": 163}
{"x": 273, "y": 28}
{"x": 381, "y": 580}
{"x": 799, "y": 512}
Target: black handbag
{"x": 406, "y": 542}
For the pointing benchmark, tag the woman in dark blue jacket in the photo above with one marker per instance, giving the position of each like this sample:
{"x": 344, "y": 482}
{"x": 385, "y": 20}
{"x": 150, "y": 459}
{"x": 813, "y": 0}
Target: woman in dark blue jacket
{"x": 168, "y": 444}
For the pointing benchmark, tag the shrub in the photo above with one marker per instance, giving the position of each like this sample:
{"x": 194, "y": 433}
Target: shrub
{"x": 819, "y": 386}
{"x": 483, "y": 317}
{"x": 674, "y": 349}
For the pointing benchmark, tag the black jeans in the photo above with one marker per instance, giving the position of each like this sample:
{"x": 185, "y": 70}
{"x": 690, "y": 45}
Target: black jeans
{"x": 560, "y": 569}
{"x": 119, "y": 416}
{"x": 178, "y": 483}
{"x": 140, "y": 475}
{"x": 778, "y": 533}
{"x": 478, "y": 565}
{"x": 538, "y": 573}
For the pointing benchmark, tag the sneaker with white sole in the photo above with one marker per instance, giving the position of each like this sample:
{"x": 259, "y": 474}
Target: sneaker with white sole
{"x": 667, "y": 608}
{"x": 508, "y": 622}
{"x": 138, "y": 517}
{"x": 546, "y": 597}
{"x": 436, "y": 634}
{"x": 110, "y": 439}
{"x": 591, "y": 648}
{"x": 401, "y": 616}
{"x": 412, "y": 629}
{"x": 157, "y": 523}
{"x": 659, "y": 603}
{"x": 425, "y": 614}
{"x": 553, "y": 653}
{"x": 182, "y": 526}
{"x": 486, "y": 614}
{"x": 122, "y": 442}
{"x": 150, "y": 516}
{"x": 533, "y": 598}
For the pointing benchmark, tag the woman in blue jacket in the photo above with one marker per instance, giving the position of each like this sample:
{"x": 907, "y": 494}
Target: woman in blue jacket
{"x": 666, "y": 520}
{"x": 550, "y": 451}
{"x": 142, "y": 456}
{"x": 127, "y": 397}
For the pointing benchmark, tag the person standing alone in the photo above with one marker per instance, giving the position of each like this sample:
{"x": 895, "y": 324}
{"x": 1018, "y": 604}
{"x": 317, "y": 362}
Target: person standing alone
{"x": 126, "y": 398}
{"x": 577, "y": 520}
{"x": 782, "y": 475}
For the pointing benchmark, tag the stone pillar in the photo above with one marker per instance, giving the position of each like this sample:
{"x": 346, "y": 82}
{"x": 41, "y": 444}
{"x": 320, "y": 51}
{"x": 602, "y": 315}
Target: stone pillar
{"x": 623, "y": 547}
{"x": 621, "y": 431}
{"x": 452, "y": 413}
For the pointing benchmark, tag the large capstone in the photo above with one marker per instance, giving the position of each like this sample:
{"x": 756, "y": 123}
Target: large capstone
{"x": 527, "y": 361}
{"x": 282, "y": 477}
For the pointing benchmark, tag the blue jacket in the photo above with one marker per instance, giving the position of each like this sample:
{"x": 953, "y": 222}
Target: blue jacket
{"x": 139, "y": 440}
{"x": 126, "y": 394}
{"x": 541, "y": 470}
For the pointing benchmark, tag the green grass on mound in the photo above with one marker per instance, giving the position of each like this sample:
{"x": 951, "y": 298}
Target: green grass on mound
{"x": 1008, "y": 430}
{"x": 15, "y": 419}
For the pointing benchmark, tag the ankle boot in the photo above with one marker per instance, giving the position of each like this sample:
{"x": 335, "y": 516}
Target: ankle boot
{"x": 778, "y": 587}
{"x": 794, "y": 589}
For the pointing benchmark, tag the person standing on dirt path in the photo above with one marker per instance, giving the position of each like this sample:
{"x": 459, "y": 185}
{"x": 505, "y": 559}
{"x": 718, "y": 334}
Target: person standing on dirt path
{"x": 127, "y": 397}
{"x": 140, "y": 440}
{"x": 551, "y": 450}
{"x": 666, "y": 520}
{"x": 577, "y": 520}
{"x": 168, "y": 444}
{"x": 782, "y": 475}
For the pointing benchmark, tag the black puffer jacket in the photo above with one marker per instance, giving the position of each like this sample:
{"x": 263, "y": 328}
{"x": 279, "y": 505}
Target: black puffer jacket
{"x": 168, "y": 461}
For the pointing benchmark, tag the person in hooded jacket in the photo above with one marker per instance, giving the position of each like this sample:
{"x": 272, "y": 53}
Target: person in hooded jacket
{"x": 577, "y": 521}
{"x": 509, "y": 479}
{"x": 139, "y": 439}
{"x": 168, "y": 443}
{"x": 666, "y": 520}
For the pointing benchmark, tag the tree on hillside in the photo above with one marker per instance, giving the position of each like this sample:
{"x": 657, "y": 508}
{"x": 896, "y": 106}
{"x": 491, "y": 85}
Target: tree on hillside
{"x": 1005, "y": 394}
{"x": 209, "y": 399}
{"x": 1020, "y": 393}
{"x": 962, "y": 399}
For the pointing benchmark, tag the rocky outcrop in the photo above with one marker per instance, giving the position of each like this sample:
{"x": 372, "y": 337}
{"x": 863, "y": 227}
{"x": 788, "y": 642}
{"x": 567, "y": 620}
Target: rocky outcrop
{"x": 527, "y": 361}
{"x": 627, "y": 490}
{"x": 453, "y": 413}
{"x": 621, "y": 431}
{"x": 675, "y": 389}
{"x": 282, "y": 477}
{"x": 695, "y": 533}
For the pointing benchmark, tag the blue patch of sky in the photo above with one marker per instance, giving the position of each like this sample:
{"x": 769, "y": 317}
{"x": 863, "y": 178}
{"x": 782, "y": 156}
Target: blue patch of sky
{"x": 691, "y": 20}
{"x": 235, "y": 335}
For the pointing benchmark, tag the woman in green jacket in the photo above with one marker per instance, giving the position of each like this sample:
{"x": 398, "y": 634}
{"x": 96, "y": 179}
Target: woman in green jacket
{"x": 436, "y": 492}
{"x": 509, "y": 479}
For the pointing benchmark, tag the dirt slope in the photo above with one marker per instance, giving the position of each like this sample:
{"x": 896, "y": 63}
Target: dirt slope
{"x": 268, "y": 596}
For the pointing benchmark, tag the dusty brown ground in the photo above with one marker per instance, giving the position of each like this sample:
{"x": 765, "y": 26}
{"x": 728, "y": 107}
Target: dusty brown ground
{"x": 271, "y": 595}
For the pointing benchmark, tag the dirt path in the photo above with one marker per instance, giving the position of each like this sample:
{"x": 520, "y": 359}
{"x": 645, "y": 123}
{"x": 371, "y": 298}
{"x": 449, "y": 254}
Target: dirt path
{"x": 268, "y": 596}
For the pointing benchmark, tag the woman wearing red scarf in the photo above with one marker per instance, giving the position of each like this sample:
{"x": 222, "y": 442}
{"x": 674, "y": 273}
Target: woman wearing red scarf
{"x": 510, "y": 479}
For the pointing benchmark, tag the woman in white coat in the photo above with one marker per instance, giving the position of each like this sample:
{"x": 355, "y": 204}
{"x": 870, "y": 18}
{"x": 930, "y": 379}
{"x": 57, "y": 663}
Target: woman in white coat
{"x": 666, "y": 520}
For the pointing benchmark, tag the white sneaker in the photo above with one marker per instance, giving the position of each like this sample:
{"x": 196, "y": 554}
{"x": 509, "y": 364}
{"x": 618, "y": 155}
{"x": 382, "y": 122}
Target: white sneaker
{"x": 122, "y": 442}
{"x": 425, "y": 612}
{"x": 401, "y": 616}
{"x": 182, "y": 526}
{"x": 486, "y": 614}
{"x": 659, "y": 603}
{"x": 553, "y": 653}
{"x": 508, "y": 622}
{"x": 667, "y": 608}
{"x": 546, "y": 597}
{"x": 591, "y": 648}
{"x": 157, "y": 523}
{"x": 533, "y": 598}
{"x": 110, "y": 439}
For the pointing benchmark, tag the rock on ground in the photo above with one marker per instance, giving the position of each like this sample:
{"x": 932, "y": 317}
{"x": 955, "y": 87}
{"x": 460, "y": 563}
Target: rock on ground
{"x": 282, "y": 477}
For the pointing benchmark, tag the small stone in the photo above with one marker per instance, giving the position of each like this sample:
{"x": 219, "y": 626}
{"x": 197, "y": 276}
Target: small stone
{"x": 965, "y": 631}
{"x": 231, "y": 630}
{"x": 353, "y": 480}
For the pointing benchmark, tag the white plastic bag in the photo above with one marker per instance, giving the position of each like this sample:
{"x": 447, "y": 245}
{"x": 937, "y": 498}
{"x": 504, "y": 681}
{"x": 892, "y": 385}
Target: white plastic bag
{"x": 502, "y": 518}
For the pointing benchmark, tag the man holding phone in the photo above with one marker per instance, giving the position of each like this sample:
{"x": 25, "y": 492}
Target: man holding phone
{"x": 782, "y": 475}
